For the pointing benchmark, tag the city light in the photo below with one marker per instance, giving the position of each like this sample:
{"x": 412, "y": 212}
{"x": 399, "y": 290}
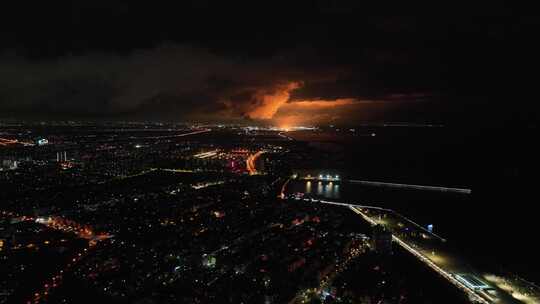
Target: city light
{"x": 121, "y": 214}
{"x": 192, "y": 152}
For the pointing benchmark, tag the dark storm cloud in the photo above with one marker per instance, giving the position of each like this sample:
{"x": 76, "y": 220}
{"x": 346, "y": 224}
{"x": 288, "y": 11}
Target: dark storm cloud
{"x": 176, "y": 81}
{"x": 211, "y": 62}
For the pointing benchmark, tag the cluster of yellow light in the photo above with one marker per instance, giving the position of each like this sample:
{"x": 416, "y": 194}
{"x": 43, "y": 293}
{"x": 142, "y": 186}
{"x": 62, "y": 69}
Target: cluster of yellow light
{"x": 507, "y": 286}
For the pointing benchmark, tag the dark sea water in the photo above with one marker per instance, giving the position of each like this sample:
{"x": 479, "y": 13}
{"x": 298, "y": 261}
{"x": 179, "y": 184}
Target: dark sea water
{"x": 495, "y": 226}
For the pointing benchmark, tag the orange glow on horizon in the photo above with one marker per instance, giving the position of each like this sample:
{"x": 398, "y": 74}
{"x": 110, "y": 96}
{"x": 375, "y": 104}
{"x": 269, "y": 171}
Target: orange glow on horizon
{"x": 274, "y": 105}
{"x": 304, "y": 112}
{"x": 270, "y": 102}
{"x": 321, "y": 104}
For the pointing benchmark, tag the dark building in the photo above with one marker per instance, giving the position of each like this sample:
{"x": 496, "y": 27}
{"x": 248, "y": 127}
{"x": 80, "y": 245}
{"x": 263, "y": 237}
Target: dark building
{"x": 381, "y": 240}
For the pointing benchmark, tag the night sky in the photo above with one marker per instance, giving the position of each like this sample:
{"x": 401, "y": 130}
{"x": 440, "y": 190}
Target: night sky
{"x": 267, "y": 62}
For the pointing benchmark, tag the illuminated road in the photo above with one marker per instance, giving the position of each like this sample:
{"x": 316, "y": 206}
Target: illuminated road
{"x": 206, "y": 154}
{"x": 250, "y": 162}
{"x": 285, "y": 136}
{"x": 431, "y": 250}
{"x": 41, "y": 295}
{"x": 206, "y": 185}
{"x": 66, "y": 226}
{"x": 353, "y": 252}
{"x": 173, "y": 136}
{"x": 284, "y": 188}
{"x": 472, "y": 293}
{"x": 7, "y": 142}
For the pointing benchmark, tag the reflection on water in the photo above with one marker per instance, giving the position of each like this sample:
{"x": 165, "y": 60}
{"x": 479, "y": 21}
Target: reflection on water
{"x": 324, "y": 189}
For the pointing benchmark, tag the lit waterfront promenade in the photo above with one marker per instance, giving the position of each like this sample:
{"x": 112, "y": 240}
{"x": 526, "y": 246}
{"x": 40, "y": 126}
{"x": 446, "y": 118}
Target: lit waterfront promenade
{"x": 433, "y": 251}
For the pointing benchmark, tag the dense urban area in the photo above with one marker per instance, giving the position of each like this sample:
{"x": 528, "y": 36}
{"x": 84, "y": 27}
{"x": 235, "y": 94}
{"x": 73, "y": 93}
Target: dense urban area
{"x": 170, "y": 213}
